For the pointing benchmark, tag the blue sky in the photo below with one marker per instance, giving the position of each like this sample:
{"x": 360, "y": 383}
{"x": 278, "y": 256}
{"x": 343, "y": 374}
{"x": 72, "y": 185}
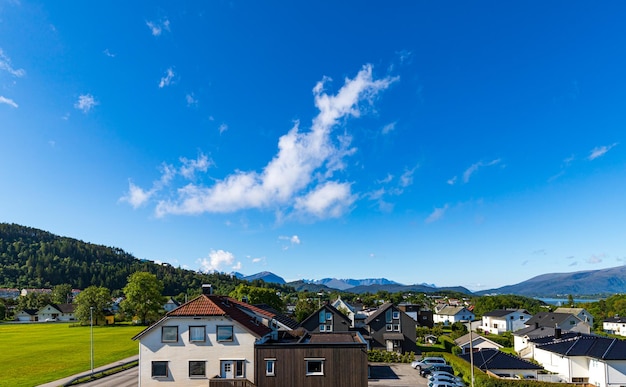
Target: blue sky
{"x": 453, "y": 143}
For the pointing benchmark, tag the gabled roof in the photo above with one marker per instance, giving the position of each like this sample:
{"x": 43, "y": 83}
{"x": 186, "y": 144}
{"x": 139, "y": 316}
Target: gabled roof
{"x": 465, "y": 339}
{"x": 332, "y": 310}
{"x": 381, "y": 309}
{"x": 505, "y": 312}
{"x": 213, "y": 305}
{"x": 63, "y": 308}
{"x": 596, "y": 347}
{"x": 451, "y": 310}
{"x": 276, "y": 315}
{"x": 31, "y": 312}
{"x": 615, "y": 319}
{"x": 551, "y": 319}
{"x": 492, "y": 359}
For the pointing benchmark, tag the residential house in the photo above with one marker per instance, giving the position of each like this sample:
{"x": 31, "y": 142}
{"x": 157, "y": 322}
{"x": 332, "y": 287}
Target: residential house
{"x": 353, "y": 311}
{"x": 26, "y": 292}
{"x": 423, "y": 316}
{"x": 583, "y": 358}
{"x": 56, "y": 312}
{"x": 326, "y": 319}
{"x": 504, "y": 320}
{"x": 502, "y": 365}
{"x": 564, "y": 321}
{"x": 615, "y": 326}
{"x": 314, "y": 360}
{"x": 450, "y": 314}
{"x": 581, "y": 313}
{"x": 391, "y": 329}
{"x": 170, "y": 304}
{"x": 476, "y": 342}
{"x": 524, "y": 340}
{"x": 26, "y": 315}
{"x": 9, "y": 293}
{"x": 209, "y": 336}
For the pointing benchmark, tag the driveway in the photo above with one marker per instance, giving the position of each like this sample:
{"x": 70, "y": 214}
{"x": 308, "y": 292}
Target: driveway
{"x": 394, "y": 375}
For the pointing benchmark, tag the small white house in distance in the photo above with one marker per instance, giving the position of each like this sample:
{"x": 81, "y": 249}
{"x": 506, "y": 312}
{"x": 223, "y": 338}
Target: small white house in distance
{"x": 478, "y": 343}
{"x": 581, "y": 313}
{"x": 451, "y": 314}
{"x": 615, "y": 326}
{"x": 504, "y": 320}
{"x": 209, "y": 336}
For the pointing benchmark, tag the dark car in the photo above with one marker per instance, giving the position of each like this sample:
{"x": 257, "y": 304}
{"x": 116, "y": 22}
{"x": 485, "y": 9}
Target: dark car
{"x": 436, "y": 367}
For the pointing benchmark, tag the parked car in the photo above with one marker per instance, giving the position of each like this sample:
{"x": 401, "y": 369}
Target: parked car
{"x": 443, "y": 374}
{"x": 436, "y": 367}
{"x": 427, "y": 361}
{"x": 444, "y": 384}
{"x": 450, "y": 382}
{"x": 444, "y": 378}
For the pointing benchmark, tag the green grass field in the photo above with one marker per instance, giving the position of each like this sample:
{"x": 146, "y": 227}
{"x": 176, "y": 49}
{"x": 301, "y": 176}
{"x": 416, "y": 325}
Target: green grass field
{"x": 32, "y": 354}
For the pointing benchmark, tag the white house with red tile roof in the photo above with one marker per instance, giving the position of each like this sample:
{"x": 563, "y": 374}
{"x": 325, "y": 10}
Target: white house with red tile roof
{"x": 206, "y": 337}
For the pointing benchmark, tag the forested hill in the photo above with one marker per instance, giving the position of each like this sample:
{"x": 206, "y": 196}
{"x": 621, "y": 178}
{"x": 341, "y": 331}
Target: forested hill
{"x": 32, "y": 258}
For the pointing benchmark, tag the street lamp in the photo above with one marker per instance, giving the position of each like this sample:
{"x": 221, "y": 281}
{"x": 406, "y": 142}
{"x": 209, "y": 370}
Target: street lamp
{"x": 91, "y": 333}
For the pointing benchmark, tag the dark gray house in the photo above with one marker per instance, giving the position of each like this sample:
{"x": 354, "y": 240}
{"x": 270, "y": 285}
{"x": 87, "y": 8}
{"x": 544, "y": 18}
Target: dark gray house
{"x": 325, "y": 320}
{"x": 391, "y": 329}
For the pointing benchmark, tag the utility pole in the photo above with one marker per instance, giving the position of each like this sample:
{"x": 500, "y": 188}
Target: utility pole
{"x": 91, "y": 334}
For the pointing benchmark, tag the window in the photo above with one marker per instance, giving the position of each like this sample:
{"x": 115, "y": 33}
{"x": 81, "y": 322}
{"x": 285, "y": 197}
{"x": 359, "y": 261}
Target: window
{"x": 269, "y": 367}
{"x": 389, "y": 327}
{"x": 197, "y": 333}
{"x": 322, "y": 328}
{"x": 512, "y": 317}
{"x": 197, "y": 369}
{"x": 169, "y": 334}
{"x": 396, "y": 315}
{"x": 329, "y": 328}
{"x": 240, "y": 369}
{"x": 388, "y": 316}
{"x": 225, "y": 333}
{"x": 396, "y": 327}
{"x": 322, "y": 316}
{"x": 329, "y": 316}
{"x": 314, "y": 367}
{"x": 159, "y": 369}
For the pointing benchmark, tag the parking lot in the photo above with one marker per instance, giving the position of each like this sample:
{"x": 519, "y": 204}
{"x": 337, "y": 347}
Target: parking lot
{"x": 394, "y": 375}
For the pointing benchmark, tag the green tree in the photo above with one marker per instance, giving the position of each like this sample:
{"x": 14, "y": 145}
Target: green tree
{"x": 257, "y": 295}
{"x": 61, "y": 294}
{"x": 93, "y": 299}
{"x": 33, "y": 300}
{"x": 144, "y": 297}
{"x": 304, "y": 308}
{"x": 570, "y": 300}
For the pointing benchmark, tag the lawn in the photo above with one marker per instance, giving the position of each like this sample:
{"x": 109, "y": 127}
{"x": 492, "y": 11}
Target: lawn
{"x": 37, "y": 353}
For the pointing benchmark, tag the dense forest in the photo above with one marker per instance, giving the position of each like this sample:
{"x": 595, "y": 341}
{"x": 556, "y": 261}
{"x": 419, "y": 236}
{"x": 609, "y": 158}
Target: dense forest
{"x": 33, "y": 258}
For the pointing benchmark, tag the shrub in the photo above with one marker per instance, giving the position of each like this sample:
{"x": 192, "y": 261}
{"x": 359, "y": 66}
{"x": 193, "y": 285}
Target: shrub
{"x": 378, "y": 356}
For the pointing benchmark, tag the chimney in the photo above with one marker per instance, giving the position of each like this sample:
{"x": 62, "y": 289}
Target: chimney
{"x": 557, "y": 333}
{"x": 207, "y": 289}
{"x": 536, "y": 325}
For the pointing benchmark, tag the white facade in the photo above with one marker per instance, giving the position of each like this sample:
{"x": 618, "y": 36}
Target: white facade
{"x": 50, "y": 313}
{"x": 220, "y": 357}
{"x": 615, "y": 326}
{"x": 511, "y": 322}
{"x": 450, "y": 315}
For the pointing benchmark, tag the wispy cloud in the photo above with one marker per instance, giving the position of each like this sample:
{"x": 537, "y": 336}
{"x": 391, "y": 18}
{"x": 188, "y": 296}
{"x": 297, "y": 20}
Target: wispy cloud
{"x": 191, "y": 100}
{"x": 596, "y": 258}
{"x": 388, "y": 128}
{"x": 472, "y": 169}
{"x": 294, "y": 239}
{"x": 85, "y": 102}
{"x": 437, "y": 214}
{"x": 600, "y": 151}
{"x": 218, "y": 260}
{"x": 451, "y": 181}
{"x": 223, "y": 127}
{"x": 108, "y": 53}
{"x": 8, "y": 101}
{"x": 167, "y": 79}
{"x": 157, "y": 27}
{"x": 298, "y": 181}
{"x": 5, "y": 65}
{"x": 390, "y": 186}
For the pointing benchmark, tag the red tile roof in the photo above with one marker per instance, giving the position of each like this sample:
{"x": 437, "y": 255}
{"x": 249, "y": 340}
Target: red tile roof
{"x": 200, "y": 306}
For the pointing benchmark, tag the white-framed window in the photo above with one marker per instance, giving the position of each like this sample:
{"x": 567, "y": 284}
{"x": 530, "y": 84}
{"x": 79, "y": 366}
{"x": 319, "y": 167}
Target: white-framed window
{"x": 314, "y": 366}
{"x": 389, "y": 327}
{"x": 329, "y": 328}
{"x": 329, "y": 316}
{"x": 169, "y": 334}
{"x": 197, "y": 368}
{"x": 388, "y": 316}
{"x": 396, "y": 327}
{"x": 159, "y": 369}
{"x": 270, "y": 367}
{"x": 322, "y": 316}
{"x": 197, "y": 333}
{"x": 396, "y": 315}
{"x": 322, "y": 327}
{"x": 225, "y": 333}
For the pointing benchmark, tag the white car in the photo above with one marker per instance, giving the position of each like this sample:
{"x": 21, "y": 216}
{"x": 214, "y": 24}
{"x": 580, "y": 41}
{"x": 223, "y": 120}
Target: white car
{"x": 445, "y": 384}
{"x": 451, "y": 381}
{"x": 428, "y": 361}
{"x": 443, "y": 375}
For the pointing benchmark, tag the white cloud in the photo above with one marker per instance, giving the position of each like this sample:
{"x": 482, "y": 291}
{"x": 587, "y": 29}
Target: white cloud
{"x": 167, "y": 79}
{"x": 5, "y": 64}
{"x": 191, "y": 100}
{"x": 8, "y": 101}
{"x": 451, "y": 181}
{"x": 189, "y": 167}
{"x": 136, "y": 196}
{"x": 157, "y": 27}
{"x": 600, "y": 151}
{"x": 437, "y": 214}
{"x": 85, "y": 102}
{"x": 388, "y": 128}
{"x": 596, "y": 258}
{"x": 294, "y": 239}
{"x": 407, "y": 177}
{"x": 469, "y": 171}
{"x": 299, "y": 173}
{"x": 216, "y": 261}
{"x": 223, "y": 127}
{"x": 108, "y": 53}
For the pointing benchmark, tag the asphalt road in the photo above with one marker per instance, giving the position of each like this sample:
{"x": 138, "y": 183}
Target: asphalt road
{"x": 128, "y": 378}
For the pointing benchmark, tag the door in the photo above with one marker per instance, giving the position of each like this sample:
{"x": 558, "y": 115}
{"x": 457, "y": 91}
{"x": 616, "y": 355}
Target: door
{"x": 227, "y": 369}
